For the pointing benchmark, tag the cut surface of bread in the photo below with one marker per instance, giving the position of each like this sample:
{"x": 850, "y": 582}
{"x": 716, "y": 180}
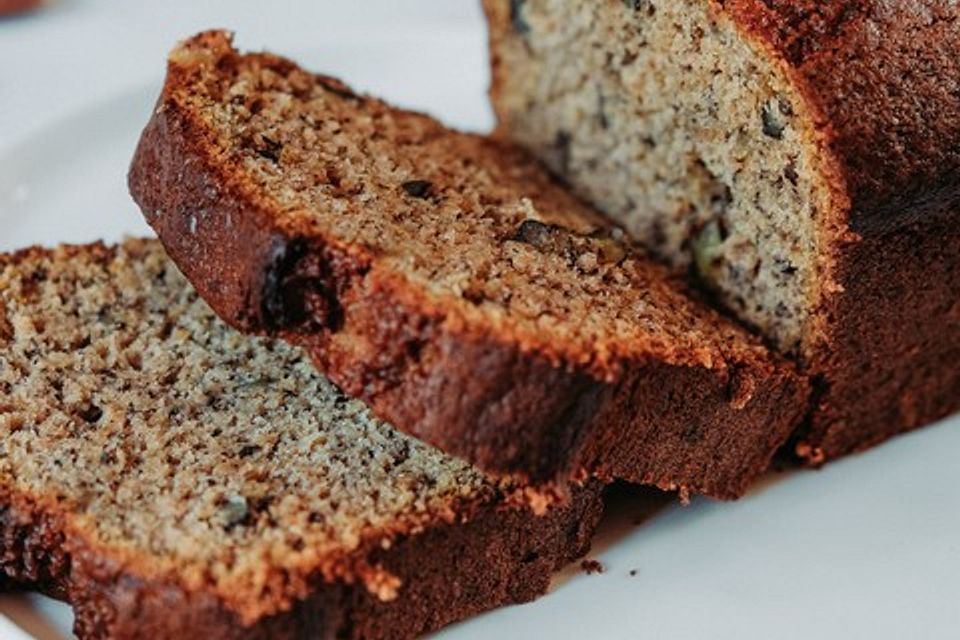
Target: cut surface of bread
{"x": 786, "y": 155}
{"x": 170, "y": 477}
{"x": 670, "y": 123}
{"x": 449, "y": 282}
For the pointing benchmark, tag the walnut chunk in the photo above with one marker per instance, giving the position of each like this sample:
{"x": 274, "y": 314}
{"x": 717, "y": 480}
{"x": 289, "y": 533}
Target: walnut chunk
{"x": 545, "y": 237}
{"x": 586, "y": 252}
{"x": 708, "y": 252}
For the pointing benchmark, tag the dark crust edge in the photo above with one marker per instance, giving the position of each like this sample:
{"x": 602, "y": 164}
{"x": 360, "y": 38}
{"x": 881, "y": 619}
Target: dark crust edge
{"x": 893, "y": 364}
{"x": 882, "y": 81}
{"x": 449, "y": 572}
{"x": 475, "y": 395}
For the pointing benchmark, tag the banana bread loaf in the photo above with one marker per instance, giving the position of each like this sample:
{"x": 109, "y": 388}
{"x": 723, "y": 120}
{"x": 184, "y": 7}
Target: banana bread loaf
{"x": 171, "y": 478}
{"x": 446, "y": 280}
{"x": 799, "y": 158}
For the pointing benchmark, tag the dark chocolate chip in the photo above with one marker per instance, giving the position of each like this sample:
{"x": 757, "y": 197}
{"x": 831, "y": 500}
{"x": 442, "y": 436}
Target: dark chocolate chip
{"x": 641, "y": 5}
{"x": 418, "y": 188}
{"x": 248, "y": 450}
{"x": 790, "y": 173}
{"x": 297, "y": 291}
{"x": 533, "y": 232}
{"x": 270, "y": 149}
{"x": 272, "y": 309}
{"x": 91, "y": 413}
{"x": 474, "y": 294}
{"x": 520, "y": 24}
{"x": 166, "y": 329}
{"x": 546, "y": 238}
{"x": 562, "y": 144}
{"x": 261, "y": 503}
{"x": 784, "y": 266}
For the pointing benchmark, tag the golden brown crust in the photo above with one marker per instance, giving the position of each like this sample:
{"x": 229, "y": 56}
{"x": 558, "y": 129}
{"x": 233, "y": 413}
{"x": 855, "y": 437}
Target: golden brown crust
{"x": 501, "y": 556}
{"x": 475, "y": 392}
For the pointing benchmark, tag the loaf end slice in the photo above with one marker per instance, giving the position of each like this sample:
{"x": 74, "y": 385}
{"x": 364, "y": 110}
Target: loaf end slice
{"x": 799, "y": 159}
{"x": 448, "y": 281}
{"x": 169, "y": 477}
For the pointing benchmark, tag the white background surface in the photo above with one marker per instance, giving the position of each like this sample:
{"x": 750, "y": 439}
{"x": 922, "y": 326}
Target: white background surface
{"x": 867, "y": 548}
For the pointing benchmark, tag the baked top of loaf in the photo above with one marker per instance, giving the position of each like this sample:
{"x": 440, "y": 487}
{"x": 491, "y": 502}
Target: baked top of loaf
{"x": 447, "y": 280}
{"x": 172, "y": 448}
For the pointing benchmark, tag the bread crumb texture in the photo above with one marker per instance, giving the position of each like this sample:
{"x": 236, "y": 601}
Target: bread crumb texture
{"x": 665, "y": 117}
{"x": 471, "y": 221}
{"x": 173, "y": 442}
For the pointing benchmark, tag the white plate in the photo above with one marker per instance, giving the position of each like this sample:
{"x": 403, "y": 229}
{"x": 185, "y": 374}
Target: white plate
{"x": 869, "y": 547}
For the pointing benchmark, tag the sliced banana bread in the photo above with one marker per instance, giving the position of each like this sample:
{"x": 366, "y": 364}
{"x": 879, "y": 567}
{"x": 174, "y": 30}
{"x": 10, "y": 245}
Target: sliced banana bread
{"x": 446, "y": 280}
{"x": 171, "y": 478}
{"x": 800, "y": 158}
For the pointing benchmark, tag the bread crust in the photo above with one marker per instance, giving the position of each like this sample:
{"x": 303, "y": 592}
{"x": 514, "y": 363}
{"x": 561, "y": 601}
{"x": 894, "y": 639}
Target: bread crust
{"x": 538, "y": 415}
{"x": 479, "y": 548}
{"x": 892, "y": 361}
{"x": 882, "y": 80}
{"x": 885, "y": 80}
{"x": 502, "y": 555}
{"x": 880, "y": 84}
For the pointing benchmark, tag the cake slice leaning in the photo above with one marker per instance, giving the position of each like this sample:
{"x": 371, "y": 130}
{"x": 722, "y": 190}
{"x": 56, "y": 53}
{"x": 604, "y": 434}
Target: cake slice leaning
{"x": 171, "y": 478}
{"x": 447, "y": 281}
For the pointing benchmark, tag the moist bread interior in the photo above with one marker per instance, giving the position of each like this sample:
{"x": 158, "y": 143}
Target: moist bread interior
{"x": 471, "y": 221}
{"x": 666, "y": 119}
{"x": 126, "y": 402}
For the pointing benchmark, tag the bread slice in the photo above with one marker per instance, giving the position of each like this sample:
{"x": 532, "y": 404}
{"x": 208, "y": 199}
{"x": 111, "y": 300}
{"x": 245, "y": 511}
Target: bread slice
{"x": 798, "y": 158}
{"x": 171, "y": 478}
{"x": 447, "y": 281}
